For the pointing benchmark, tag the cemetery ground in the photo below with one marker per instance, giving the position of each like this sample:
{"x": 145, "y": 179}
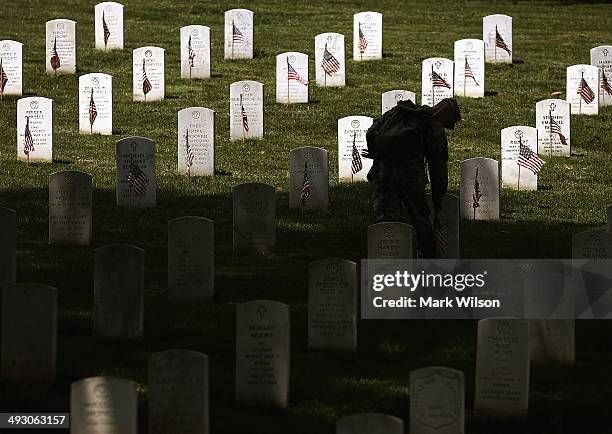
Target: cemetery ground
{"x": 572, "y": 197}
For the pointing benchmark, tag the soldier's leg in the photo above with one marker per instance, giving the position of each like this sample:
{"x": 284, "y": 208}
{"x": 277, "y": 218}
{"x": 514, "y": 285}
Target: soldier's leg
{"x": 387, "y": 204}
{"x": 417, "y": 208}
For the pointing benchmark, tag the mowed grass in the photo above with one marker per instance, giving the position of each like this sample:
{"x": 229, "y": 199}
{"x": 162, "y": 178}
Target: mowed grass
{"x": 548, "y": 36}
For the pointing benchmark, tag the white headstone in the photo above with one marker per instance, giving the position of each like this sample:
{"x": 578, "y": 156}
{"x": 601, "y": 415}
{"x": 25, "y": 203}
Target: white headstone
{"x": 369, "y": 423}
{"x": 246, "y": 110}
{"x": 292, "y": 78}
{"x": 29, "y": 333}
{"x": 352, "y": 167}
{"x": 469, "y": 68}
{"x": 581, "y": 92}
{"x": 479, "y": 189}
{"x": 523, "y": 176}
{"x": 8, "y": 247}
{"x": 103, "y": 405}
{"x": 559, "y": 111}
{"x": 11, "y": 58}
{"x": 196, "y": 141}
{"x": 449, "y": 219}
{"x": 70, "y": 207}
{"x": 148, "y": 74}
{"x": 178, "y": 392}
{"x": 601, "y": 57}
{"x": 437, "y": 401}
{"x": 195, "y": 52}
{"x": 60, "y": 47}
{"x": 136, "y": 186}
{"x": 392, "y": 97}
{"x": 437, "y": 79}
{"x": 367, "y": 36}
{"x": 254, "y": 218}
{"x": 553, "y": 340}
{"x": 238, "y": 34}
{"x": 390, "y": 240}
{"x": 262, "y": 353}
{"x": 332, "y": 304}
{"x": 35, "y": 129}
{"x": 118, "y": 291}
{"x": 502, "y": 368}
{"x": 190, "y": 259}
{"x": 96, "y": 104}
{"x": 497, "y": 36}
{"x": 109, "y": 26}
{"x": 592, "y": 245}
{"x": 309, "y": 178}
{"x": 330, "y": 63}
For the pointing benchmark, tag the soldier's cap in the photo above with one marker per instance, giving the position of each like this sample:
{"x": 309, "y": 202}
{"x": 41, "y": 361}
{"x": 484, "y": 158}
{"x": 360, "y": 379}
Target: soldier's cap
{"x": 450, "y": 106}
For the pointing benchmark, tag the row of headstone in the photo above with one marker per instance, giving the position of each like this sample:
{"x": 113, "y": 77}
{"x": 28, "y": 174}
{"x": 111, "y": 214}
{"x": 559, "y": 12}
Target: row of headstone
{"x": 178, "y": 398}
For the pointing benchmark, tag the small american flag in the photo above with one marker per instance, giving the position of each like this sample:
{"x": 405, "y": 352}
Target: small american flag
{"x": 363, "y": 42}
{"x": 93, "y": 111}
{"x": 356, "y": 163}
{"x": 605, "y": 84}
{"x": 585, "y": 92}
{"x": 438, "y": 81}
{"x": 500, "y": 43}
{"x": 476, "y": 195}
{"x": 237, "y": 36}
{"x": 305, "y": 186}
{"x": 146, "y": 84}
{"x": 440, "y": 240}
{"x": 329, "y": 64}
{"x": 55, "y": 60}
{"x": 106, "y": 31}
{"x": 28, "y": 141}
{"x": 3, "y": 78}
{"x": 469, "y": 73}
{"x": 293, "y": 75}
{"x": 189, "y": 154}
{"x": 556, "y": 129}
{"x": 529, "y": 159}
{"x": 191, "y": 53}
{"x": 245, "y": 119}
{"x": 137, "y": 179}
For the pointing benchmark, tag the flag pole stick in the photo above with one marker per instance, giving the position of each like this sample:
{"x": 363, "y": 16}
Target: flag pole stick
{"x": 550, "y": 140}
{"x": 464, "y": 80}
{"x": 288, "y": 99}
{"x": 495, "y": 61}
{"x": 242, "y": 119}
{"x": 433, "y": 88}
{"x": 580, "y": 95}
{"x": 232, "y": 39}
{"x": 518, "y": 181}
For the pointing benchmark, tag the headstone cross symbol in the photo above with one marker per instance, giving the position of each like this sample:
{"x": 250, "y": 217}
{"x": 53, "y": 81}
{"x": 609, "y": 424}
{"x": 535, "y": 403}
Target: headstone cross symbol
{"x": 262, "y": 311}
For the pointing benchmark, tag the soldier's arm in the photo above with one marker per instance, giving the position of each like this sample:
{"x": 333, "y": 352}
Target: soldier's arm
{"x": 437, "y": 162}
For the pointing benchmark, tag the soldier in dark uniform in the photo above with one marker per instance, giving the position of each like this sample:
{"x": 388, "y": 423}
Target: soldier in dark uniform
{"x": 402, "y": 143}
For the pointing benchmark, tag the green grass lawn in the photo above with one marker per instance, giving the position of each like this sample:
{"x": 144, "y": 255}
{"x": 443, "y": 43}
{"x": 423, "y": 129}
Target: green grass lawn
{"x": 573, "y": 193}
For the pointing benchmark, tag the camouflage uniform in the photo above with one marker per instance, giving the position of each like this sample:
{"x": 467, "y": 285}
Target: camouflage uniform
{"x": 401, "y": 180}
